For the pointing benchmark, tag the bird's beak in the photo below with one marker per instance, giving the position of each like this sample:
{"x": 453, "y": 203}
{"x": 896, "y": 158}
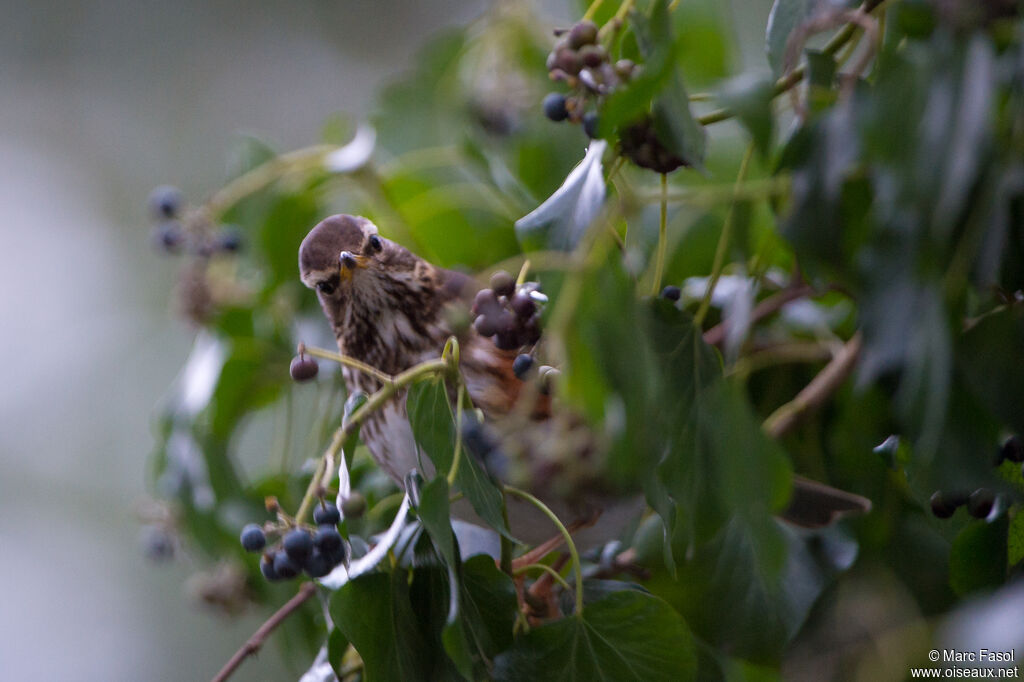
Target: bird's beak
{"x": 349, "y": 262}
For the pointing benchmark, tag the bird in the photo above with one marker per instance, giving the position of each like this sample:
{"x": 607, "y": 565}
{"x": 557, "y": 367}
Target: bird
{"x": 391, "y": 309}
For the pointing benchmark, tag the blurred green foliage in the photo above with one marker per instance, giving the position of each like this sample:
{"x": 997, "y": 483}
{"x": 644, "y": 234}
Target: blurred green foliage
{"x": 893, "y": 196}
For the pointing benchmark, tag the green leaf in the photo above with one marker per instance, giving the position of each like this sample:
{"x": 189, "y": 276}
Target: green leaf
{"x": 488, "y": 604}
{"x": 628, "y": 635}
{"x": 751, "y": 98}
{"x": 977, "y": 559}
{"x": 433, "y": 426}
{"x": 337, "y": 645}
{"x": 375, "y": 614}
{"x": 559, "y": 222}
{"x": 990, "y": 354}
{"x": 784, "y": 17}
{"x": 434, "y": 515}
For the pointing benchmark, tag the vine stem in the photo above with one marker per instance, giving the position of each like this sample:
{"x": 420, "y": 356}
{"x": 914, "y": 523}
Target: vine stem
{"x": 659, "y": 263}
{"x": 348, "y": 361}
{"x": 823, "y": 385}
{"x": 577, "y": 567}
{"x": 254, "y": 643}
{"x": 375, "y": 401}
{"x": 264, "y": 174}
{"x": 550, "y": 571}
{"x": 723, "y": 241}
{"x": 457, "y": 457}
{"x": 592, "y": 10}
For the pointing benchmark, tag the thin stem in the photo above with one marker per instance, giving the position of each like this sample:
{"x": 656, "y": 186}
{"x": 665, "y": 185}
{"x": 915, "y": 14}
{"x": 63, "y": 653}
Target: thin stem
{"x": 659, "y": 263}
{"x": 265, "y": 174}
{"x": 577, "y": 567}
{"x": 723, "y": 241}
{"x": 827, "y": 381}
{"x": 258, "y": 638}
{"x": 768, "y": 306}
{"x": 375, "y": 401}
{"x": 592, "y": 10}
{"x": 348, "y": 361}
{"x": 457, "y": 457}
{"x": 550, "y": 571}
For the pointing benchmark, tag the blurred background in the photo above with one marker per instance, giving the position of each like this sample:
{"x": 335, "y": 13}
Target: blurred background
{"x": 100, "y": 102}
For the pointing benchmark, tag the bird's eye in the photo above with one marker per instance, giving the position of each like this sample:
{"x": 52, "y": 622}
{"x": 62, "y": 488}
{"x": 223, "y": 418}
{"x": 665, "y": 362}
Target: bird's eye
{"x": 375, "y": 243}
{"x": 327, "y": 286}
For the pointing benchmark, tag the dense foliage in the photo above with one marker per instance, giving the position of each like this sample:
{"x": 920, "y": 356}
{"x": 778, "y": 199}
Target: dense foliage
{"x": 849, "y": 261}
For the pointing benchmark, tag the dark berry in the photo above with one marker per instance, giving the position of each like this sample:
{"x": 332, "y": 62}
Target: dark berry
{"x": 523, "y": 305}
{"x": 354, "y": 505}
{"x": 285, "y": 566}
{"x": 583, "y": 33}
{"x": 941, "y": 507}
{"x": 165, "y": 201}
{"x": 253, "y": 539}
{"x": 521, "y": 365}
{"x": 229, "y": 241}
{"x": 980, "y": 503}
{"x": 590, "y": 123}
{"x": 484, "y": 326}
{"x": 318, "y": 565}
{"x": 475, "y": 437}
{"x": 485, "y": 301}
{"x": 503, "y": 283}
{"x": 593, "y": 55}
{"x": 327, "y": 539}
{"x": 267, "y": 567}
{"x": 339, "y": 555}
{"x": 554, "y": 107}
{"x": 671, "y": 292}
{"x": 326, "y": 514}
{"x": 568, "y": 61}
{"x": 1013, "y": 449}
{"x": 168, "y": 236}
{"x": 297, "y": 544}
{"x": 303, "y": 368}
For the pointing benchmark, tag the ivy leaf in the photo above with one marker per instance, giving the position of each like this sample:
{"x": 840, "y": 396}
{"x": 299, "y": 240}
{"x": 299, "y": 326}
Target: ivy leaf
{"x": 374, "y": 612}
{"x": 488, "y": 604}
{"x": 433, "y": 426}
{"x": 784, "y": 17}
{"x": 434, "y": 515}
{"x": 628, "y": 635}
{"x": 751, "y": 98}
{"x": 990, "y": 356}
{"x": 977, "y": 559}
{"x": 559, "y": 222}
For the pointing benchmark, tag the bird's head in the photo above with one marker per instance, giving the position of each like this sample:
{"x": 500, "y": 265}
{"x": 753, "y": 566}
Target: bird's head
{"x": 345, "y": 259}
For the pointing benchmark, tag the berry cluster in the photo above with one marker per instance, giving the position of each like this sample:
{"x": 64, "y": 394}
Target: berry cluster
{"x": 172, "y": 234}
{"x": 508, "y": 313}
{"x": 639, "y": 142}
{"x": 582, "y": 63}
{"x": 316, "y": 552}
{"x": 980, "y": 502}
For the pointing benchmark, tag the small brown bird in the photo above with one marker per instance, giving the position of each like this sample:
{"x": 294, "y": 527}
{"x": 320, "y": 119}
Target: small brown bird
{"x": 387, "y": 308}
